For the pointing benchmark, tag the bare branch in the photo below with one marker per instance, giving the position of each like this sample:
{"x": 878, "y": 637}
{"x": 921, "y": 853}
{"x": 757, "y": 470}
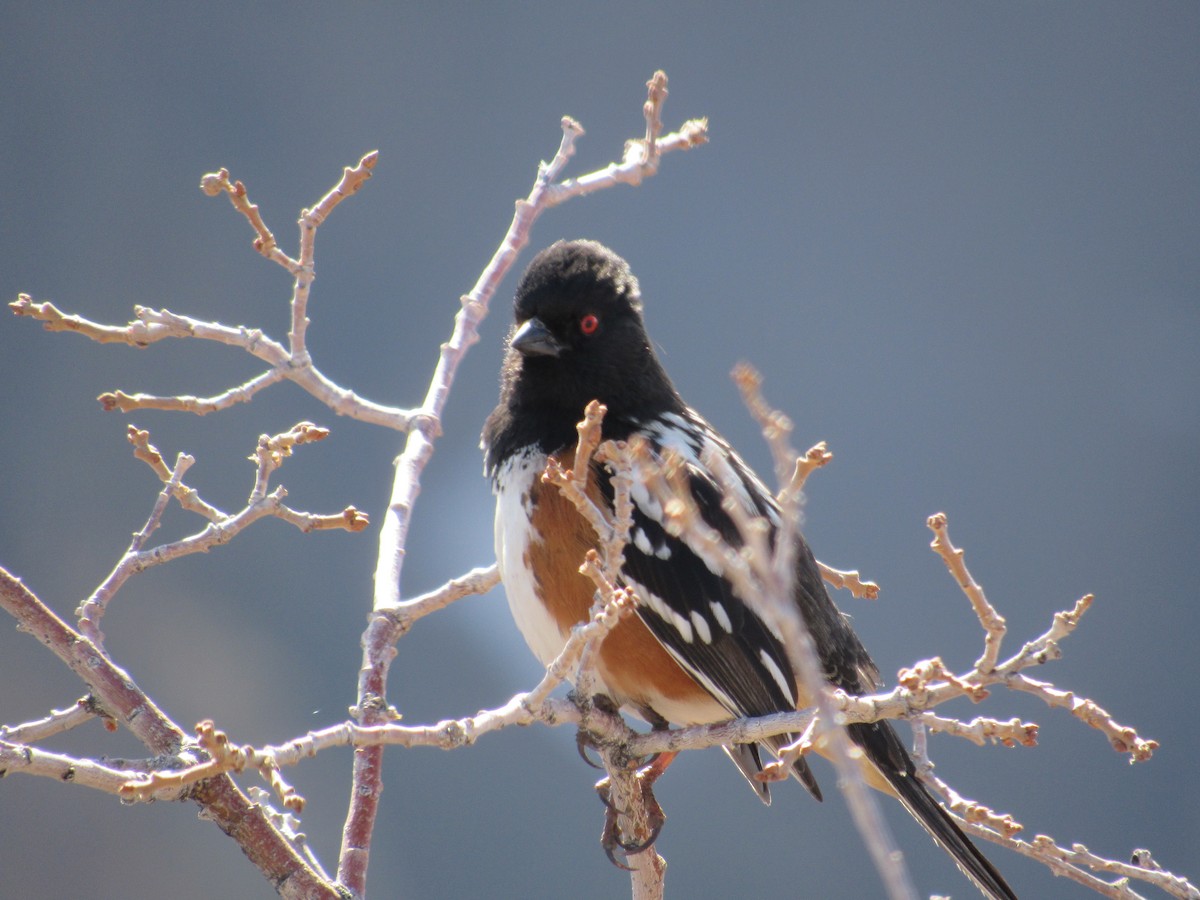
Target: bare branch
{"x": 617, "y": 456}
{"x": 59, "y": 721}
{"x": 633, "y": 168}
{"x": 1123, "y": 738}
{"x": 781, "y": 768}
{"x": 221, "y": 528}
{"x": 23, "y": 759}
{"x": 992, "y": 622}
{"x": 981, "y": 730}
{"x": 572, "y": 482}
{"x": 200, "y": 769}
{"x": 119, "y": 697}
{"x": 815, "y": 457}
{"x": 215, "y": 183}
{"x": 922, "y": 686}
{"x": 656, "y": 91}
{"x": 293, "y": 362}
{"x": 636, "y": 819}
{"x": 764, "y": 581}
{"x": 352, "y": 179}
{"x": 849, "y": 580}
{"x": 405, "y": 613}
{"x": 115, "y": 691}
{"x": 222, "y": 756}
{"x": 523, "y": 709}
{"x": 200, "y": 406}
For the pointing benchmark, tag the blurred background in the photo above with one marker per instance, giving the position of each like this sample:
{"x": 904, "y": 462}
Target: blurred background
{"x": 959, "y": 241}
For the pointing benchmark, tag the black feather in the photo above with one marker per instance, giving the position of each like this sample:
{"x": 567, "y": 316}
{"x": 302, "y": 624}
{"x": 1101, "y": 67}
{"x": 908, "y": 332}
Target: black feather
{"x": 882, "y": 746}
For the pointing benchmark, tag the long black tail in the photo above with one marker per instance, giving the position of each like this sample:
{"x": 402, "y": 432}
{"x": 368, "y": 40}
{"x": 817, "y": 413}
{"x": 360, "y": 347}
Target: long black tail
{"x": 884, "y": 749}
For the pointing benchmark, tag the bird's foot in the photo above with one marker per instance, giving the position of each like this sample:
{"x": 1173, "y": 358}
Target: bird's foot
{"x": 647, "y": 815}
{"x": 585, "y": 740}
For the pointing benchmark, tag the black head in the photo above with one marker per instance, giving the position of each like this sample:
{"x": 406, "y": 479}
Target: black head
{"x": 579, "y": 336}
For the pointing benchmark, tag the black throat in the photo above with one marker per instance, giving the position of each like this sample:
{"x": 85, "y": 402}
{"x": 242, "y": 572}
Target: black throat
{"x": 542, "y": 400}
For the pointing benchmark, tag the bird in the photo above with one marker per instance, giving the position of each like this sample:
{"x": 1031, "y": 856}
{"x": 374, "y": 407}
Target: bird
{"x": 694, "y": 652}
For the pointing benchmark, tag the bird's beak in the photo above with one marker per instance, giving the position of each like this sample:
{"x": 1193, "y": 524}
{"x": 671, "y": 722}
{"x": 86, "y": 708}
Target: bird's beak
{"x": 534, "y": 339}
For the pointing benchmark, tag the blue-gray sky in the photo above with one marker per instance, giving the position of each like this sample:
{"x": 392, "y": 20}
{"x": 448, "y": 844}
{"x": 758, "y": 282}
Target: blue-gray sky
{"x": 960, "y": 242}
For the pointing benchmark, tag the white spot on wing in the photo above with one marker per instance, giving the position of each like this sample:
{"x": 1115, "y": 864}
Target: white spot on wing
{"x": 701, "y": 626}
{"x": 663, "y": 610}
{"x": 721, "y": 616}
{"x": 712, "y": 560}
{"x": 682, "y": 625}
{"x": 642, "y": 542}
{"x": 771, "y": 666}
{"x": 720, "y": 707}
{"x": 672, "y": 432}
{"x": 649, "y": 506}
{"x": 722, "y": 450}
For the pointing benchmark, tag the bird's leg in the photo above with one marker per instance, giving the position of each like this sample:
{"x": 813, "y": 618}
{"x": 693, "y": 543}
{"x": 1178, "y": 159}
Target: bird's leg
{"x": 585, "y": 741}
{"x": 643, "y": 781}
{"x": 653, "y": 817}
{"x": 628, "y": 792}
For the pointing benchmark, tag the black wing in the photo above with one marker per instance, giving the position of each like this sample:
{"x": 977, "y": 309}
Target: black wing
{"x": 714, "y": 635}
{"x": 691, "y": 607}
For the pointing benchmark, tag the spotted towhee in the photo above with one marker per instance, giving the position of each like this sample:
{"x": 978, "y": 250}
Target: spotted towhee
{"x": 694, "y": 653}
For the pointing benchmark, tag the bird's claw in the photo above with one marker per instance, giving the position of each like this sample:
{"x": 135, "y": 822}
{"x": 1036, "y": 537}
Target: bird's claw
{"x": 583, "y": 743}
{"x": 610, "y": 838}
{"x": 611, "y": 841}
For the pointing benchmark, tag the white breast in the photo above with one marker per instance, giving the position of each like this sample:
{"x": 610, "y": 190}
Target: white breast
{"x": 514, "y": 534}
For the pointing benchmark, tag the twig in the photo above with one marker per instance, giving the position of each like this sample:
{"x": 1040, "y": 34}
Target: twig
{"x": 616, "y": 455}
{"x": 1000, "y": 828}
{"x": 292, "y": 362}
{"x": 849, "y": 580}
{"x": 629, "y": 792}
{"x": 60, "y": 720}
{"x": 981, "y": 730}
{"x": 222, "y": 756}
{"x": 656, "y": 96}
{"x": 405, "y": 613}
{"x": 781, "y": 768}
{"x": 119, "y": 696}
{"x": 200, "y": 406}
{"x": 353, "y": 178}
{"x": 221, "y": 528}
{"x": 188, "y": 498}
{"x": 570, "y": 476}
{"x": 287, "y": 825}
{"x": 993, "y": 623}
{"x": 1123, "y": 738}
{"x": 217, "y": 182}
{"x": 23, "y": 759}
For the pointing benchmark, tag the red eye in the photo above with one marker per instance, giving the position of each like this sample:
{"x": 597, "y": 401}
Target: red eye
{"x": 588, "y": 324}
